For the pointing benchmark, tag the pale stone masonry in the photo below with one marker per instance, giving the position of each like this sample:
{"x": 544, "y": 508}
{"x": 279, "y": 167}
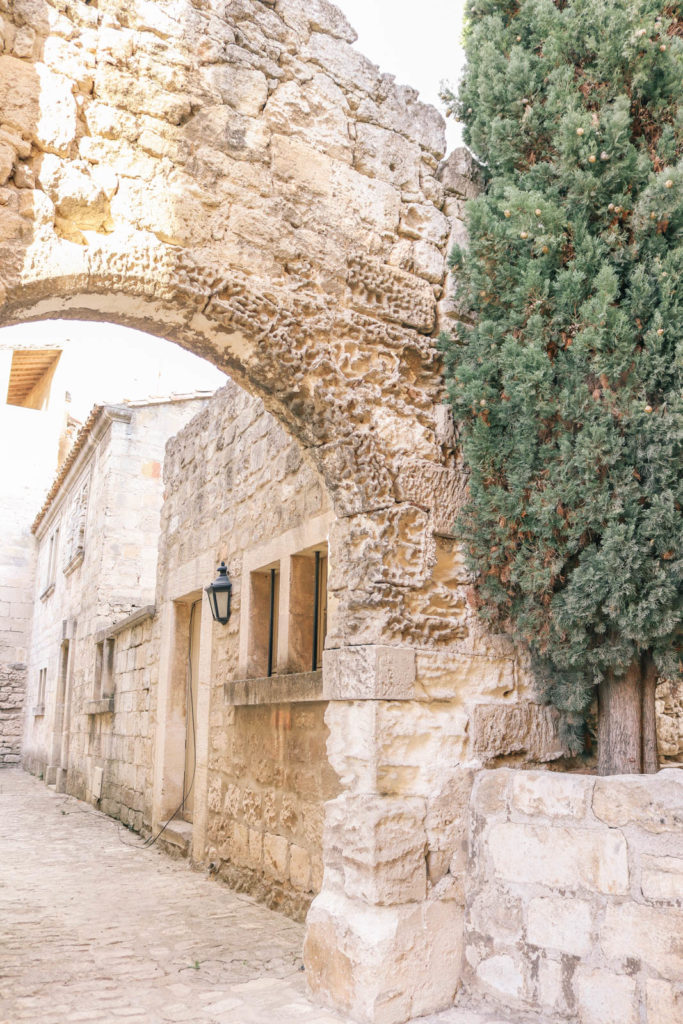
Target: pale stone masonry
{"x": 238, "y": 489}
{"x": 235, "y": 177}
{"x": 12, "y": 686}
{"x": 575, "y": 896}
{"x": 96, "y": 540}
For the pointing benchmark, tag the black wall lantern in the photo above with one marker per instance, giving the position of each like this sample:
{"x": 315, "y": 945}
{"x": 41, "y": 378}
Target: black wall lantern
{"x": 220, "y": 594}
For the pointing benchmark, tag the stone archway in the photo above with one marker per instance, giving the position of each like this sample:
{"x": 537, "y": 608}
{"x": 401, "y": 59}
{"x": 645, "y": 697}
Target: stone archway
{"x": 233, "y": 176}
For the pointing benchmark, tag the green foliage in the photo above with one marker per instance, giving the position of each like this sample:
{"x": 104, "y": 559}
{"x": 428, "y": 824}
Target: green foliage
{"x": 568, "y": 386}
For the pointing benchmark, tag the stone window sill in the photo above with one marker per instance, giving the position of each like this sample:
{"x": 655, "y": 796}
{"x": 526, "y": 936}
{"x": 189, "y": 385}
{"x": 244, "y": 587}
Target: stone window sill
{"x": 49, "y": 590}
{"x": 293, "y": 688}
{"x": 74, "y": 562}
{"x": 38, "y": 710}
{"x": 100, "y": 707}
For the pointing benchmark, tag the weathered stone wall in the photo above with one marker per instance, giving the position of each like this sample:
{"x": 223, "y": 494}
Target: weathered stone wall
{"x": 235, "y": 177}
{"x": 120, "y": 740}
{"x": 12, "y": 687}
{"x": 27, "y": 454}
{"x": 107, "y": 512}
{"x": 234, "y": 481}
{"x": 575, "y": 896}
{"x": 669, "y": 705}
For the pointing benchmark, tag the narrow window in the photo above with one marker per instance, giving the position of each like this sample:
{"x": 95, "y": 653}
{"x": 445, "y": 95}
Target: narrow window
{"x": 42, "y": 679}
{"x": 273, "y": 620}
{"x": 319, "y": 609}
{"x": 108, "y": 667}
{"x": 264, "y": 615}
{"x": 307, "y": 609}
{"x": 104, "y": 669}
{"x": 51, "y": 567}
{"x": 99, "y": 661}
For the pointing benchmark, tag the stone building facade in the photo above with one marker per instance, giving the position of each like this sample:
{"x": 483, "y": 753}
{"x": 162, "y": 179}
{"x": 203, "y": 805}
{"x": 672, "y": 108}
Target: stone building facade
{"x": 49, "y": 381}
{"x": 235, "y": 177}
{"x": 239, "y": 489}
{"x": 96, "y": 564}
{"x": 31, "y": 427}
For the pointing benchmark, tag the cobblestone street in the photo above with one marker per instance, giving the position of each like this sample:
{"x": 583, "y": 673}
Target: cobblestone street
{"x": 97, "y": 929}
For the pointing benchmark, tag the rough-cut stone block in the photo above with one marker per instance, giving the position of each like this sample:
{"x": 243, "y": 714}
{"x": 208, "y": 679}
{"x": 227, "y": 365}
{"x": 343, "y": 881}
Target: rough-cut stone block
{"x": 500, "y": 729}
{"x": 350, "y": 69}
{"x": 401, "y": 111}
{"x": 241, "y": 88}
{"x": 551, "y": 794}
{"x": 653, "y": 935}
{"x": 496, "y": 914}
{"x": 654, "y": 802}
{"x": 435, "y": 487}
{"x": 605, "y": 998}
{"x": 316, "y": 111}
{"x": 502, "y": 977}
{"x": 360, "y": 961}
{"x": 491, "y": 793}
{"x": 369, "y": 673}
{"x": 459, "y": 174}
{"x": 664, "y": 1002}
{"x": 378, "y": 289}
{"x": 300, "y": 868}
{"x": 661, "y": 878}
{"x": 384, "y": 154}
{"x": 551, "y": 995}
{"x": 570, "y": 858}
{"x": 275, "y": 856}
{"x": 425, "y": 222}
{"x": 382, "y": 843}
{"x": 560, "y": 923}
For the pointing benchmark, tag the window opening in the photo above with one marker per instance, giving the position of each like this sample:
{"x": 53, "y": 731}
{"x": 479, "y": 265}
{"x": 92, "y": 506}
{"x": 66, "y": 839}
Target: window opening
{"x": 104, "y": 669}
{"x": 273, "y": 619}
{"x": 319, "y": 610}
{"x": 53, "y": 549}
{"x": 42, "y": 678}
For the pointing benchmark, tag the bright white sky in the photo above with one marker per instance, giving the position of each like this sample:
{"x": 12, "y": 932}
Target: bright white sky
{"x": 418, "y": 41}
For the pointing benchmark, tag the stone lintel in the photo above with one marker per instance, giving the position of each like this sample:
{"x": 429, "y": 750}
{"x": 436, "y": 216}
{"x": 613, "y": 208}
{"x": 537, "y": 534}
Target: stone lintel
{"x": 369, "y": 672}
{"x": 293, "y": 688}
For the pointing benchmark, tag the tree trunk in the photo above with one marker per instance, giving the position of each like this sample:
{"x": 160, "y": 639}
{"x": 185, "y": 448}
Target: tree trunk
{"x": 627, "y": 736}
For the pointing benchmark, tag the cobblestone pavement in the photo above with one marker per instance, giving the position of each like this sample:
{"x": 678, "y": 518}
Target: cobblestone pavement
{"x": 96, "y": 929}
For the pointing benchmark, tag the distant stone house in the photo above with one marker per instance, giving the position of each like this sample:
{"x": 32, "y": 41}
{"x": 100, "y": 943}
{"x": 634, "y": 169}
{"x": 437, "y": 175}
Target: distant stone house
{"x": 96, "y": 565}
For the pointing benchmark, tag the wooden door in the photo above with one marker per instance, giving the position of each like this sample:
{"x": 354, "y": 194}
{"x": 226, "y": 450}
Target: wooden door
{"x": 192, "y": 686}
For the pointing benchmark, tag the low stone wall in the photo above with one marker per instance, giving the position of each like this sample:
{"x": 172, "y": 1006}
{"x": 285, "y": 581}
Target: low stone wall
{"x": 12, "y": 688}
{"x": 575, "y": 889}
{"x": 119, "y": 742}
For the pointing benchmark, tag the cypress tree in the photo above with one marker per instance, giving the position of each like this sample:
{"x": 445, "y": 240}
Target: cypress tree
{"x": 567, "y": 385}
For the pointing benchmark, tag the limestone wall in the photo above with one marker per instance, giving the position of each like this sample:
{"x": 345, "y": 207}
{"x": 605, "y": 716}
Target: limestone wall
{"x": 103, "y": 522}
{"x": 236, "y": 484}
{"x": 669, "y": 705}
{"x": 12, "y": 686}
{"x": 120, "y": 736}
{"x": 575, "y": 896}
{"x": 27, "y": 456}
